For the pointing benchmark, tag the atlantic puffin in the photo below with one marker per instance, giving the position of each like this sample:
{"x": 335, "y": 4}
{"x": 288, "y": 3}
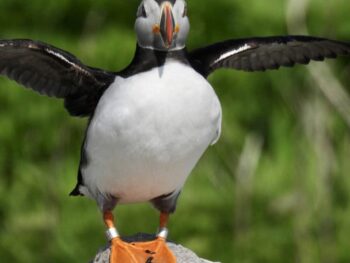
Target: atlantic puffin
{"x": 149, "y": 123}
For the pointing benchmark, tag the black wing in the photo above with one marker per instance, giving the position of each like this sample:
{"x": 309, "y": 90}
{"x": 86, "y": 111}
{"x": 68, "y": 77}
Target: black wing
{"x": 260, "y": 54}
{"x": 55, "y": 73}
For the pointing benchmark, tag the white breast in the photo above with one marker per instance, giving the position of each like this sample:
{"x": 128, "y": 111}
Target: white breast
{"x": 148, "y": 132}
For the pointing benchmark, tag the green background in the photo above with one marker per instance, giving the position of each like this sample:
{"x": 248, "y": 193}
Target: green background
{"x": 275, "y": 188}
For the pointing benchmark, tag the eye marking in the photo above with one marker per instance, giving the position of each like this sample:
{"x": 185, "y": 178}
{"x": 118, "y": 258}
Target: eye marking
{"x": 185, "y": 11}
{"x": 142, "y": 11}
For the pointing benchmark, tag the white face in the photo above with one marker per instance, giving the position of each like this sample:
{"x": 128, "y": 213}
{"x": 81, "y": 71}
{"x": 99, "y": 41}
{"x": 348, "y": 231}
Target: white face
{"x": 162, "y": 25}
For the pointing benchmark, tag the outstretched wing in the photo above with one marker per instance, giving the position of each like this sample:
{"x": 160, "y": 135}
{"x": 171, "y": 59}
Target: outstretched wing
{"x": 260, "y": 54}
{"x": 55, "y": 73}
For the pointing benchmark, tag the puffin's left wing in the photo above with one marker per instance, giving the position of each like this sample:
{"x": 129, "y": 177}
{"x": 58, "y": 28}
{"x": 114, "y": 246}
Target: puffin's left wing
{"x": 55, "y": 73}
{"x": 260, "y": 54}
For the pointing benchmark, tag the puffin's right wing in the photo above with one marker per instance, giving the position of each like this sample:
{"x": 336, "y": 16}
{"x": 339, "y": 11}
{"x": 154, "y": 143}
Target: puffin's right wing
{"x": 55, "y": 73}
{"x": 260, "y": 54}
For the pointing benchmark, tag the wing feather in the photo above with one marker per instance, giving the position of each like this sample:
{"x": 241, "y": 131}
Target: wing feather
{"x": 54, "y": 72}
{"x": 260, "y": 54}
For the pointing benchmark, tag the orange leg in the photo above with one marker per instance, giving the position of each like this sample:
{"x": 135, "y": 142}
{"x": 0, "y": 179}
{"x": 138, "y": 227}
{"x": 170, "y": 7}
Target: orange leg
{"x": 155, "y": 251}
{"x": 163, "y": 220}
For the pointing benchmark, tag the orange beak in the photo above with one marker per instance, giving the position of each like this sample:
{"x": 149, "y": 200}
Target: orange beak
{"x": 167, "y": 25}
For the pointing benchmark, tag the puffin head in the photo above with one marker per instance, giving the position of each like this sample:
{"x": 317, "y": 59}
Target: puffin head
{"x": 162, "y": 24}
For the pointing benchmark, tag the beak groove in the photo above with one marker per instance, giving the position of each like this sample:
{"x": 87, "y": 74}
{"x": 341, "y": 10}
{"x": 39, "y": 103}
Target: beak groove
{"x": 167, "y": 25}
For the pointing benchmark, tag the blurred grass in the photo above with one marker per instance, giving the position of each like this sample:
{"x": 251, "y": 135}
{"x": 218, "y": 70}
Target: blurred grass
{"x": 295, "y": 206}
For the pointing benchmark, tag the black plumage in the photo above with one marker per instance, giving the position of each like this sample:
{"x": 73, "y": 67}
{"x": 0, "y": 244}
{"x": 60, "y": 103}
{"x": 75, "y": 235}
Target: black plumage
{"x": 55, "y": 73}
{"x": 260, "y": 54}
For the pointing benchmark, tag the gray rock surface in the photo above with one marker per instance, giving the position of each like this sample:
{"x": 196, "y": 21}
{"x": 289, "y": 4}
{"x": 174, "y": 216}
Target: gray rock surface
{"x": 183, "y": 255}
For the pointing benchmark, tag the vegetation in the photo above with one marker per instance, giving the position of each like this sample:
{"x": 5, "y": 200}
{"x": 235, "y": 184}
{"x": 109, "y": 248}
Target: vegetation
{"x": 276, "y": 187}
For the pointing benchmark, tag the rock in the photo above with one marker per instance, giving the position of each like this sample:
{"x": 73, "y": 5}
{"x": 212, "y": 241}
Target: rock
{"x": 183, "y": 255}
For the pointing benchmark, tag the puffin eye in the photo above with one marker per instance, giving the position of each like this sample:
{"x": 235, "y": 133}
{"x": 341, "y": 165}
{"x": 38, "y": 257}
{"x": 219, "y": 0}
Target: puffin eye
{"x": 142, "y": 12}
{"x": 185, "y": 11}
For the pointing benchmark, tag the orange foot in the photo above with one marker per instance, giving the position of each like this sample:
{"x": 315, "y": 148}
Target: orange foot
{"x": 155, "y": 251}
